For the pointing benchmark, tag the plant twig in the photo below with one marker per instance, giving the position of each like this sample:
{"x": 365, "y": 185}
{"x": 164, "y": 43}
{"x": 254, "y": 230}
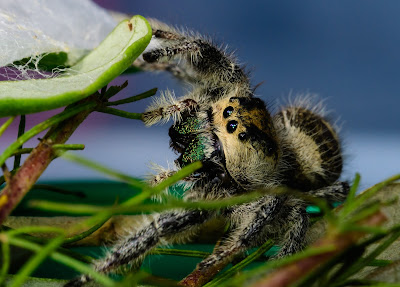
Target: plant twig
{"x": 67, "y": 113}
{"x": 249, "y": 259}
{"x": 69, "y": 146}
{"x": 66, "y": 260}
{"x": 179, "y": 252}
{"x": 132, "y": 205}
{"x": 6, "y": 125}
{"x": 55, "y": 146}
{"x": 119, "y": 113}
{"x": 22, "y": 151}
{"x": 21, "y": 130}
{"x": 86, "y": 233}
{"x": 6, "y": 174}
{"x": 360, "y": 263}
{"x": 79, "y": 194}
{"x": 104, "y": 169}
{"x": 43, "y": 154}
{"x": 5, "y": 248}
{"x": 141, "y": 96}
{"x": 108, "y": 233}
{"x": 339, "y": 241}
{"x": 35, "y": 261}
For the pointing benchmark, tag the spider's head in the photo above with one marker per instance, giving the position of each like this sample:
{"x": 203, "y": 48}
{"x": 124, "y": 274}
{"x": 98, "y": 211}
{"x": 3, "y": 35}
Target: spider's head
{"x": 248, "y": 140}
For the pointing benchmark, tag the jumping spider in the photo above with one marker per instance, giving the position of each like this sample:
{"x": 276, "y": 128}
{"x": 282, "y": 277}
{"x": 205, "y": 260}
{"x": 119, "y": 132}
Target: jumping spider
{"x": 242, "y": 148}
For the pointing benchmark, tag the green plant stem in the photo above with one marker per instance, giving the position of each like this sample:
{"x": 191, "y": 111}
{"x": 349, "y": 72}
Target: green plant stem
{"x": 268, "y": 266}
{"x": 22, "y": 232}
{"x": 66, "y": 260}
{"x": 66, "y": 208}
{"x": 179, "y": 252}
{"x": 347, "y": 206}
{"x": 5, "y": 248}
{"x": 364, "y": 229}
{"x": 61, "y": 129}
{"x": 43, "y": 126}
{"x": 319, "y": 274}
{"x": 107, "y": 171}
{"x": 179, "y": 175}
{"x": 380, "y": 263}
{"x": 35, "y": 261}
{"x": 79, "y": 194}
{"x": 141, "y": 96}
{"x": 337, "y": 242}
{"x": 21, "y": 131}
{"x": 112, "y": 91}
{"x": 361, "y": 198}
{"x": 22, "y": 151}
{"x": 119, "y": 113}
{"x": 203, "y": 254}
{"x": 364, "y": 282}
{"x": 34, "y": 229}
{"x": 69, "y": 146}
{"x": 362, "y": 213}
{"x": 55, "y": 146}
{"x": 86, "y": 233}
{"x": 359, "y": 264}
{"x": 146, "y": 192}
{"x": 6, "y": 125}
{"x": 222, "y": 277}
{"x": 133, "y": 206}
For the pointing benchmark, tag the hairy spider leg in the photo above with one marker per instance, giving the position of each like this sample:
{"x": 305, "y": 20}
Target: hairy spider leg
{"x": 248, "y": 233}
{"x": 134, "y": 247}
{"x": 204, "y": 61}
{"x": 335, "y": 193}
{"x": 161, "y": 112}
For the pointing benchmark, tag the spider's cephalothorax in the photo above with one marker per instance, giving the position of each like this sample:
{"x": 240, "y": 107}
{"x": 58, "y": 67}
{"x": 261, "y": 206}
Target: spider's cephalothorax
{"x": 235, "y": 139}
{"x": 242, "y": 147}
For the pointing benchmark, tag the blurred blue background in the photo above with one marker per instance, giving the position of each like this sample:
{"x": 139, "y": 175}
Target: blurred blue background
{"x": 346, "y": 51}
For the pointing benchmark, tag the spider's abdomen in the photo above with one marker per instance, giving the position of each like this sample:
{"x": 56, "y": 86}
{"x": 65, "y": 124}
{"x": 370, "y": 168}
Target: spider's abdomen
{"x": 313, "y": 153}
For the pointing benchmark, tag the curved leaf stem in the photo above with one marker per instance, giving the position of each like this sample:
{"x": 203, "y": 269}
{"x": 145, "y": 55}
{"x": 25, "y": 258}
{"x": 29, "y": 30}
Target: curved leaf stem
{"x": 119, "y": 113}
{"x": 6, "y": 125}
{"x": 43, "y": 126}
{"x": 21, "y": 131}
{"x": 141, "y": 96}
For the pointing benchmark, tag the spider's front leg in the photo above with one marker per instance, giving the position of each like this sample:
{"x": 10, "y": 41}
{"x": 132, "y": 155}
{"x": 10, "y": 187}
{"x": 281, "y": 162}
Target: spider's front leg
{"x": 132, "y": 248}
{"x": 190, "y": 57}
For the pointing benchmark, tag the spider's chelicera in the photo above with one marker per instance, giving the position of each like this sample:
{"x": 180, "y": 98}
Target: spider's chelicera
{"x": 243, "y": 148}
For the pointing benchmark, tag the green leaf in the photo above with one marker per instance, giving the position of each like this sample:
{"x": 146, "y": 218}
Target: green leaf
{"x": 112, "y": 57}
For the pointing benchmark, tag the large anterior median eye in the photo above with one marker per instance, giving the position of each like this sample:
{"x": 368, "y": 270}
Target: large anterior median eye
{"x": 231, "y": 127}
{"x": 228, "y": 111}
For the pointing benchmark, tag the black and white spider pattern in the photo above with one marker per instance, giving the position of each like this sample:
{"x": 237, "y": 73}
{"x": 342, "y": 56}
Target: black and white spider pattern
{"x": 242, "y": 146}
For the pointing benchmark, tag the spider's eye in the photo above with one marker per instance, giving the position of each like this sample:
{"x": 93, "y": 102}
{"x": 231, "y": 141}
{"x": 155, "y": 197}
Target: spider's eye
{"x": 243, "y": 136}
{"x": 228, "y": 111}
{"x": 231, "y": 127}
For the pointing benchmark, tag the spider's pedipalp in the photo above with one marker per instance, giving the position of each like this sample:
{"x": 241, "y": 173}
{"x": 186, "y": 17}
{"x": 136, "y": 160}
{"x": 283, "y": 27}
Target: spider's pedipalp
{"x": 167, "y": 107}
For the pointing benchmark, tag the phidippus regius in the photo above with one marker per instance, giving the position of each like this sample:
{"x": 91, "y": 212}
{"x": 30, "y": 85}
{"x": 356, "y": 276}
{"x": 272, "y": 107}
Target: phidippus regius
{"x": 243, "y": 148}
